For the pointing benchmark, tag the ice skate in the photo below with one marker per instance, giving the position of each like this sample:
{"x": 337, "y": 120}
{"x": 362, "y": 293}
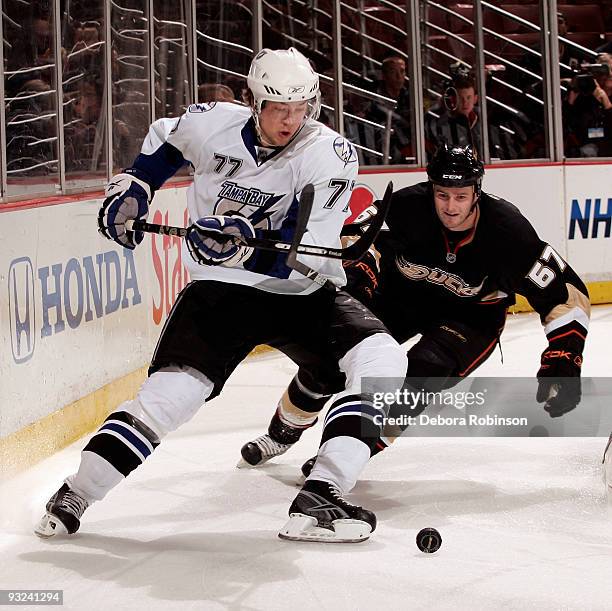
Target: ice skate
{"x": 260, "y": 451}
{"x": 279, "y": 438}
{"x": 63, "y": 516}
{"x": 308, "y": 465}
{"x": 320, "y": 513}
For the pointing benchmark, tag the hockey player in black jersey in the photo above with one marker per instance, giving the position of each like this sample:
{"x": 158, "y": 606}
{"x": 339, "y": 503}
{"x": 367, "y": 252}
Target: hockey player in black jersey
{"x": 449, "y": 267}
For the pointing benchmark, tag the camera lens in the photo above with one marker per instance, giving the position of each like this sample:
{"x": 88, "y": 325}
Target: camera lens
{"x": 585, "y": 83}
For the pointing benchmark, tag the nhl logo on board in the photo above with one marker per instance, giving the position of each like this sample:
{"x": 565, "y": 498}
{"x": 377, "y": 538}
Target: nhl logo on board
{"x": 451, "y": 257}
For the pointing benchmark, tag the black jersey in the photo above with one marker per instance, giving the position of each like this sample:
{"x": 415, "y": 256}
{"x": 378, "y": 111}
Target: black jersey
{"x": 470, "y": 275}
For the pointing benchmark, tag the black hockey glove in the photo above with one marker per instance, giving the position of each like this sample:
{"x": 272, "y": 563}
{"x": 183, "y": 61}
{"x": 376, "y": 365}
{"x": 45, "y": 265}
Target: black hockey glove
{"x": 559, "y": 385}
{"x": 362, "y": 275}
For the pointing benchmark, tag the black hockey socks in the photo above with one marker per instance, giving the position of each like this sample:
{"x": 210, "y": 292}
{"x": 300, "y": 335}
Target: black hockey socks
{"x": 123, "y": 441}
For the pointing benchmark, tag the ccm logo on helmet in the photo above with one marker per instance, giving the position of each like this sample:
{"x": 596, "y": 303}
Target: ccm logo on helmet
{"x": 453, "y": 176}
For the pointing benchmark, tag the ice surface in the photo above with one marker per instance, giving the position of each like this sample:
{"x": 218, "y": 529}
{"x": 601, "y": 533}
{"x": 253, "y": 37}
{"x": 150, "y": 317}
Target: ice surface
{"x": 525, "y": 522}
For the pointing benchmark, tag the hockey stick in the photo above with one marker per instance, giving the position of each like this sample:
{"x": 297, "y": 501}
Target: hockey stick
{"x": 351, "y": 253}
{"x": 303, "y": 215}
{"x": 301, "y": 223}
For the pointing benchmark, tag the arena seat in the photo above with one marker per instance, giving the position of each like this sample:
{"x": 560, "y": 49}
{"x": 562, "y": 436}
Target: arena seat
{"x": 590, "y": 40}
{"x": 582, "y": 17}
{"x": 460, "y": 26}
{"x": 529, "y": 12}
{"x": 528, "y": 39}
{"x": 437, "y": 17}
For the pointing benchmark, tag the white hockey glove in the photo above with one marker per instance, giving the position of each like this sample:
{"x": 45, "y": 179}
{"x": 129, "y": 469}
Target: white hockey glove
{"x": 127, "y": 198}
{"x": 207, "y": 250}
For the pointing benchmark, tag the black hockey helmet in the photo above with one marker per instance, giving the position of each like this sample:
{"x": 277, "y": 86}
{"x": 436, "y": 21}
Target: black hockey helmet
{"x": 455, "y": 166}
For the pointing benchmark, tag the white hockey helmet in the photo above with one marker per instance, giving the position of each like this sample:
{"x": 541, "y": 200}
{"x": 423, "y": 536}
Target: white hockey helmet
{"x": 283, "y": 76}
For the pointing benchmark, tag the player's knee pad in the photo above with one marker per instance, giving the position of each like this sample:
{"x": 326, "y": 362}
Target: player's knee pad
{"x": 315, "y": 384}
{"x": 170, "y": 397}
{"x": 378, "y": 357}
{"x": 431, "y": 367}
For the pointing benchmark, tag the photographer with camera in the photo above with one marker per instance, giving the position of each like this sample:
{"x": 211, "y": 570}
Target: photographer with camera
{"x": 605, "y": 78}
{"x": 395, "y": 113}
{"x": 455, "y": 121}
{"x": 587, "y": 112}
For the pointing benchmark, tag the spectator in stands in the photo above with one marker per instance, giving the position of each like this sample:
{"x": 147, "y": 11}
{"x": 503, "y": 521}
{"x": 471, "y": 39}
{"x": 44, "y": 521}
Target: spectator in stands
{"x": 396, "y": 111}
{"x": 588, "y": 116}
{"x": 86, "y": 54}
{"x": 357, "y": 127}
{"x": 83, "y": 131}
{"x": 455, "y": 116}
{"x": 215, "y": 92}
{"x": 570, "y": 56}
{"x": 605, "y": 80}
{"x": 30, "y": 124}
{"x": 456, "y": 121}
{"x": 235, "y": 83}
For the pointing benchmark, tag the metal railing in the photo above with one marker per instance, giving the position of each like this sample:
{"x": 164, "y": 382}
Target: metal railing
{"x": 139, "y": 59}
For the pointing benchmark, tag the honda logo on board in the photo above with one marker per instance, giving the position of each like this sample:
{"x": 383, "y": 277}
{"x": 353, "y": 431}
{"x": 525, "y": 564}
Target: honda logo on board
{"x": 21, "y": 308}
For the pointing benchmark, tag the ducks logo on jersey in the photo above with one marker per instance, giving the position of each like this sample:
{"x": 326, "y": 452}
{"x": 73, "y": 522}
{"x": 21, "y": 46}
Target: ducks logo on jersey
{"x": 453, "y": 283}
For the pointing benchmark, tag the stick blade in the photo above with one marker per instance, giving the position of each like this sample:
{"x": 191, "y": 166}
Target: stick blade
{"x": 303, "y": 215}
{"x": 356, "y": 250}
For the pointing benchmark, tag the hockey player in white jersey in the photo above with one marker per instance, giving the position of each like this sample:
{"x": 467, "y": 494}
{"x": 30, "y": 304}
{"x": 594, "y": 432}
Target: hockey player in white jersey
{"x": 251, "y": 164}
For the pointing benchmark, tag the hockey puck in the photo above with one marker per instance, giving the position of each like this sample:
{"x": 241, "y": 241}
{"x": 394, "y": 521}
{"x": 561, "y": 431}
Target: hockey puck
{"x": 429, "y": 540}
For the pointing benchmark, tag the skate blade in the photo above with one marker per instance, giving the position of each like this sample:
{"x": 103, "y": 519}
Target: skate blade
{"x": 301, "y": 527}
{"x": 49, "y": 526}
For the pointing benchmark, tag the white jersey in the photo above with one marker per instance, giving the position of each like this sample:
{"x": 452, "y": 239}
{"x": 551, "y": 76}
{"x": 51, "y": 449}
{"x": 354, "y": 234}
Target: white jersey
{"x": 233, "y": 174}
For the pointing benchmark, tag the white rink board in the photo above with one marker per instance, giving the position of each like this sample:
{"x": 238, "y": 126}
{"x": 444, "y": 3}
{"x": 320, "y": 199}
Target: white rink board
{"x": 589, "y": 218}
{"x": 76, "y": 310}
{"x": 44, "y": 367}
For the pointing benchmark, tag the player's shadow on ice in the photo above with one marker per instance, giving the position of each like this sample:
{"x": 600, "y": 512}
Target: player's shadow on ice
{"x": 226, "y": 568}
{"x": 397, "y": 501}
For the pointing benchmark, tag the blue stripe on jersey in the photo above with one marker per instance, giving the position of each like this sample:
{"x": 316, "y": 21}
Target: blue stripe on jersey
{"x": 364, "y": 408}
{"x": 155, "y": 169}
{"x": 251, "y": 141}
{"x": 249, "y": 137}
{"x": 272, "y": 263}
{"x": 125, "y": 432}
{"x": 287, "y": 229}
